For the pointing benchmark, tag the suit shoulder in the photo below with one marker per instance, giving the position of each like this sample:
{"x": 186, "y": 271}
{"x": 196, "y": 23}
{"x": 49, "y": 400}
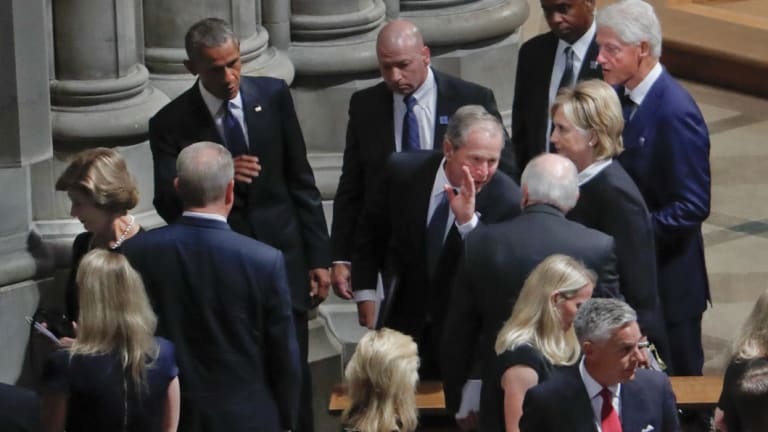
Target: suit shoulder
{"x": 174, "y": 110}
{"x": 458, "y": 84}
{"x": 537, "y": 42}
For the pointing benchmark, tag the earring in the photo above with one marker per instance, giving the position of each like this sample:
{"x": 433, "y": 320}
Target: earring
{"x": 590, "y": 143}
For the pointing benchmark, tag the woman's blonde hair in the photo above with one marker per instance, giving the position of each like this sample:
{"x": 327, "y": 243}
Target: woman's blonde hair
{"x": 535, "y": 319}
{"x": 115, "y": 314}
{"x": 752, "y": 340}
{"x": 102, "y": 175}
{"x": 382, "y": 377}
{"x": 594, "y": 106}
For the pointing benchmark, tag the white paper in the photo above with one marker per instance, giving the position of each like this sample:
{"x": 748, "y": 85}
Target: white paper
{"x": 470, "y": 398}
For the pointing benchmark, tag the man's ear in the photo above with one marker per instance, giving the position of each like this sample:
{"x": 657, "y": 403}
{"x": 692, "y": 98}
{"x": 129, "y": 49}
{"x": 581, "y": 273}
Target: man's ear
{"x": 645, "y": 49}
{"x": 190, "y": 65}
{"x": 229, "y": 195}
{"x": 447, "y": 148}
{"x": 176, "y": 184}
{"x": 426, "y": 54}
{"x": 524, "y": 200}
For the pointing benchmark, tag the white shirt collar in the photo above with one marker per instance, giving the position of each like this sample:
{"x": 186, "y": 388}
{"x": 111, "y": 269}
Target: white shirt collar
{"x": 441, "y": 179}
{"x": 215, "y": 104}
{"x": 638, "y": 93}
{"x": 211, "y": 216}
{"x": 580, "y": 47}
{"x": 594, "y": 169}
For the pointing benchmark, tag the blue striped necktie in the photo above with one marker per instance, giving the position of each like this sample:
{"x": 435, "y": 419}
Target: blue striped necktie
{"x": 233, "y": 133}
{"x": 410, "y": 140}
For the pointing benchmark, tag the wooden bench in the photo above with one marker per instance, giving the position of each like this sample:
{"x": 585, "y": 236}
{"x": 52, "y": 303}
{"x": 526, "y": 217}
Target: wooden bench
{"x": 690, "y": 391}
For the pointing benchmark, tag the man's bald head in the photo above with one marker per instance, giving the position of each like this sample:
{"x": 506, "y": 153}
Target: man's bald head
{"x": 403, "y": 57}
{"x": 550, "y": 179}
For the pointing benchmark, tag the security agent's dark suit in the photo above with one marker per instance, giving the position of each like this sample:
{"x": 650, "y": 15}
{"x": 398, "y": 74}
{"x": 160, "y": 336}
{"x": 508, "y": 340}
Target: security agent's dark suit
{"x": 223, "y": 300}
{"x": 371, "y": 139}
{"x": 496, "y": 261}
{"x": 19, "y": 409}
{"x": 392, "y": 238}
{"x": 562, "y": 404}
{"x": 530, "y": 109}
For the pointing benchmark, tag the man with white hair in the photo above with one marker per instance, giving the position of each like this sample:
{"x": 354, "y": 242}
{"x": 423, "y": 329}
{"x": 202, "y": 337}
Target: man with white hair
{"x": 498, "y": 258}
{"x": 667, "y": 155}
{"x": 606, "y": 391}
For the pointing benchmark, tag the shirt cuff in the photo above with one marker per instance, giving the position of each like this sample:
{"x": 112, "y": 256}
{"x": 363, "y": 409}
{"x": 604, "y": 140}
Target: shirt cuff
{"x": 467, "y": 228}
{"x": 349, "y": 263}
{"x": 364, "y": 295}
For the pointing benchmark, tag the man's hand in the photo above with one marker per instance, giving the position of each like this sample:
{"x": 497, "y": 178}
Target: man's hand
{"x": 463, "y": 203}
{"x": 468, "y": 423}
{"x": 319, "y": 282}
{"x": 246, "y": 167}
{"x": 340, "y": 279}
{"x": 366, "y": 310}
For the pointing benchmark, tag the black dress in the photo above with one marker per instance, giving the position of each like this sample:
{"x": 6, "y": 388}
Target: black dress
{"x": 96, "y": 388}
{"x": 492, "y": 394}
{"x": 727, "y": 402}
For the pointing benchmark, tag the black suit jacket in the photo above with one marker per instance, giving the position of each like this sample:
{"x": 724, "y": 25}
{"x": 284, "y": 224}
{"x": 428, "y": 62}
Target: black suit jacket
{"x": 496, "y": 261}
{"x": 392, "y": 238}
{"x": 19, "y": 409}
{"x": 611, "y": 203}
{"x": 371, "y": 139}
{"x": 282, "y": 207}
{"x": 562, "y": 404}
{"x": 223, "y": 300}
{"x": 530, "y": 109}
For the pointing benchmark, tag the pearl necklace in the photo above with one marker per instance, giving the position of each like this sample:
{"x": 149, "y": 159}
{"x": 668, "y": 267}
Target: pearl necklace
{"x": 127, "y": 230}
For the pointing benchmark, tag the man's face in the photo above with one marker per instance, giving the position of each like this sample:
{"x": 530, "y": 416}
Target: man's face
{"x": 620, "y": 61}
{"x": 218, "y": 68}
{"x": 568, "y": 19}
{"x": 615, "y": 360}
{"x": 480, "y": 153}
{"x": 403, "y": 67}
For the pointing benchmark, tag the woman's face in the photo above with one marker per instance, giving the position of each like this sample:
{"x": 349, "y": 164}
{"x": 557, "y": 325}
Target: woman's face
{"x": 567, "y": 308}
{"x": 572, "y": 142}
{"x": 84, "y": 209}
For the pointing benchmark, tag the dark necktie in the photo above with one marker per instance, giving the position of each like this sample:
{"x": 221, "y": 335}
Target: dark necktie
{"x": 410, "y": 140}
{"x": 567, "y": 79}
{"x": 436, "y": 233}
{"x": 609, "y": 418}
{"x": 627, "y": 107}
{"x": 233, "y": 133}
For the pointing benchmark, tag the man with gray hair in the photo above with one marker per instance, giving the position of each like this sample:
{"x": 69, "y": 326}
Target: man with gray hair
{"x": 223, "y": 300}
{"x": 498, "y": 258}
{"x": 667, "y": 155}
{"x": 412, "y": 228}
{"x": 606, "y": 391}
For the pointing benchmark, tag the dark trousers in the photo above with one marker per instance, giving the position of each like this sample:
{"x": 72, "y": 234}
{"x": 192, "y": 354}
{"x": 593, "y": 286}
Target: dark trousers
{"x": 687, "y": 353}
{"x": 306, "y": 420}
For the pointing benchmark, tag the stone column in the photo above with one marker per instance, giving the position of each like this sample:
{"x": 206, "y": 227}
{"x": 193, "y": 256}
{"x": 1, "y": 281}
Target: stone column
{"x": 167, "y": 21}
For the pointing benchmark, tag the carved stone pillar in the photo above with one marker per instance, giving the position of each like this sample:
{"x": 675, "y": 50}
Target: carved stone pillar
{"x": 167, "y": 21}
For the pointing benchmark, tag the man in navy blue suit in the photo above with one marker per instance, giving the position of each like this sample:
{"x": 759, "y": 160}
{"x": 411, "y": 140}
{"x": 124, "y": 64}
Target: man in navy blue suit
{"x": 667, "y": 155}
{"x": 605, "y": 389}
{"x": 223, "y": 299}
{"x": 276, "y": 200}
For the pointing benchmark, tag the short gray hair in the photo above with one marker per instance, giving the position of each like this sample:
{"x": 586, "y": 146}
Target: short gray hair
{"x": 208, "y": 33}
{"x": 597, "y": 318}
{"x": 551, "y": 179}
{"x": 633, "y": 21}
{"x": 471, "y": 117}
{"x": 203, "y": 170}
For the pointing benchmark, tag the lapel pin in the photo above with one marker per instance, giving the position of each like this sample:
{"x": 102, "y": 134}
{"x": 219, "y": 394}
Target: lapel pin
{"x": 443, "y": 120}
{"x": 257, "y": 108}
{"x": 593, "y": 64}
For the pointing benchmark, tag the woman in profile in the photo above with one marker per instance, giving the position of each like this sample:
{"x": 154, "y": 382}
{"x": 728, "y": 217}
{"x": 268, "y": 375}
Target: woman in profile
{"x": 750, "y": 352}
{"x": 116, "y": 376}
{"x": 537, "y": 336}
{"x": 382, "y": 377}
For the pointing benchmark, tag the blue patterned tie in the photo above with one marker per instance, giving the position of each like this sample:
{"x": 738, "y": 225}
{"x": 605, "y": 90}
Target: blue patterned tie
{"x": 233, "y": 133}
{"x": 436, "y": 233}
{"x": 567, "y": 79}
{"x": 410, "y": 140}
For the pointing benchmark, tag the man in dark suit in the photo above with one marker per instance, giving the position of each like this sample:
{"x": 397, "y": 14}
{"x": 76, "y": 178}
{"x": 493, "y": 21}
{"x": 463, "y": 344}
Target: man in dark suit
{"x": 667, "y": 155}
{"x": 412, "y": 227}
{"x": 542, "y": 68}
{"x": 377, "y": 120}
{"x": 606, "y": 388}
{"x": 498, "y": 258}
{"x": 223, "y": 299}
{"x": 19, "y": 409}
{"x": 276, "y": 200}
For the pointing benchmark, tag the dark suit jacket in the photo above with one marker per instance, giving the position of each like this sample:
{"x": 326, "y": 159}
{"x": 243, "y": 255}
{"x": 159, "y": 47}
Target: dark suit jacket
{"x": 282, "y": 207}
{"x": 223, "y": 300}
{"x": 371, "y": 139}
{"x": 530, "y": 109}
{"x": 392, "y": 237}
{"x": 19, "y": 409}
{"x": 611, "y": 203}
{"x": 667, "y": 155}
{"x": 496, "y": 261}
{"x": 562, "y": 404}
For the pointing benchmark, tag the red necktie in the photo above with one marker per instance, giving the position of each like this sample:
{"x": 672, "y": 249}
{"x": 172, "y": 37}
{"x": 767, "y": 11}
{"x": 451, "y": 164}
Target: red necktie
{"x": 608, "y": 416}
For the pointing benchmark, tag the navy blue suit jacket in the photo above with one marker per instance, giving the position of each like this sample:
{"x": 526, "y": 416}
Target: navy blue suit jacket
{"x": 223, "y": 300}
{"x": 282, "y": 206}
{"x": 667, "y": 155}
{"x": 562, "y": 404}
{"x": 19, "y": 409}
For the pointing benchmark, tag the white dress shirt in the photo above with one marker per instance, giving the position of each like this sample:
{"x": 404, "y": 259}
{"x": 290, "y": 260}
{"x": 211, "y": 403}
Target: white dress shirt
{"x": 593, "y": 390}
{"x": 592, "y": 170}
{"x": 425, "y": 108}
{"x": 211, "y": 216}
{"x": 216, "y": 108}
{"x": 638, "y": 93}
